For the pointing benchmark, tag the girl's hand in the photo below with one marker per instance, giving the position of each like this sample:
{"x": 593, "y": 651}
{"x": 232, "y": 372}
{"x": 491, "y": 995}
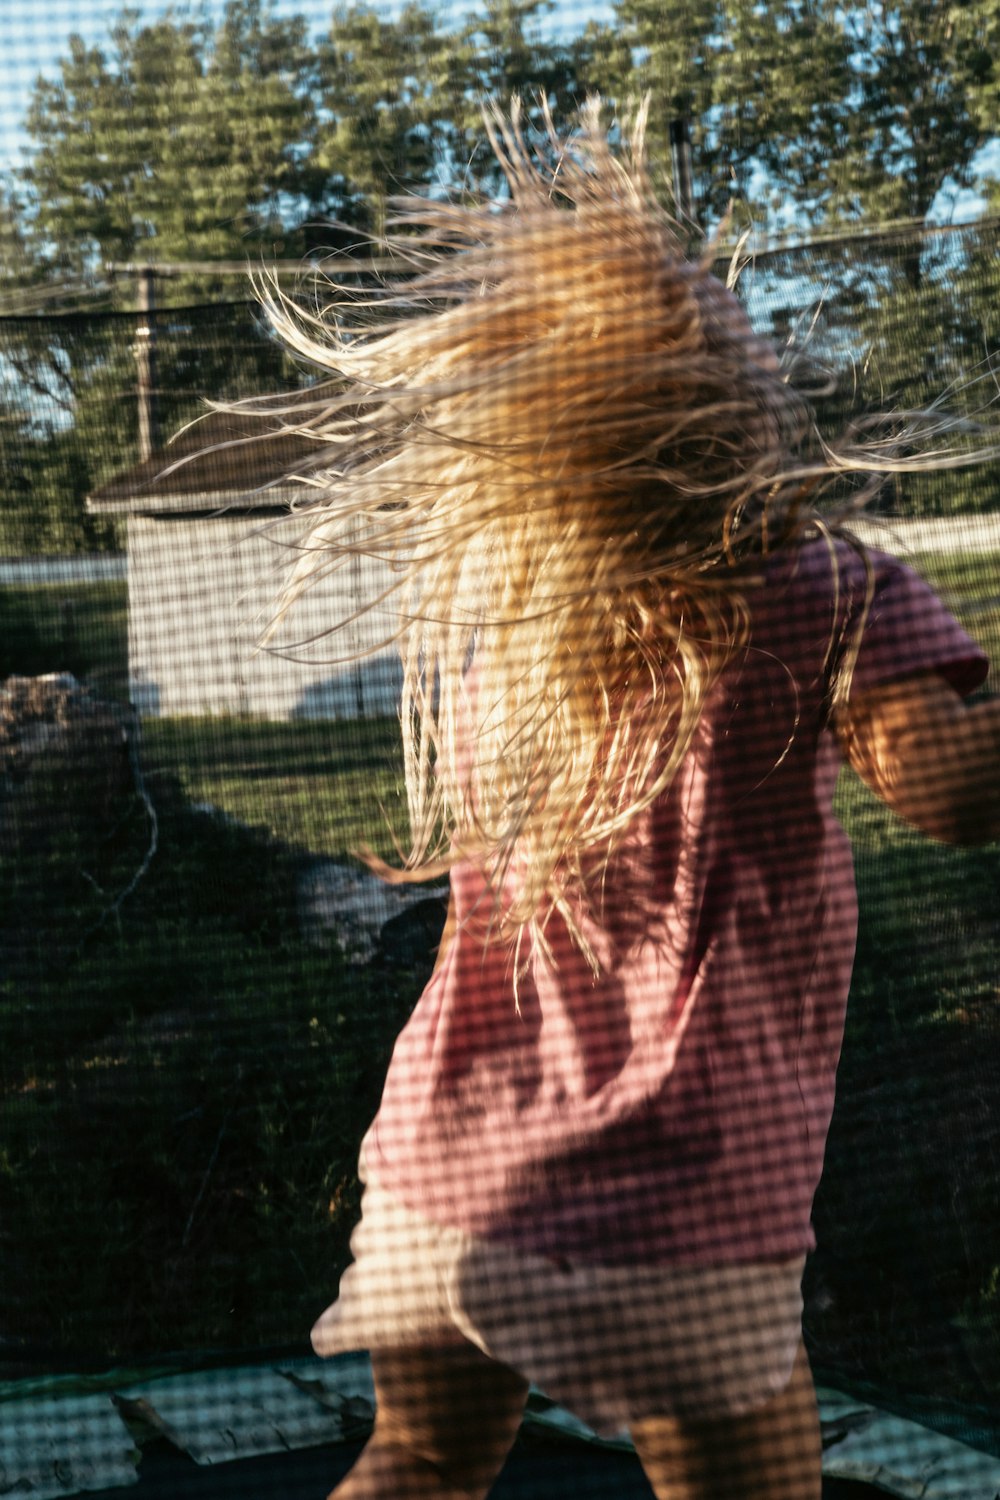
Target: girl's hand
{"x": 932, "y": 758}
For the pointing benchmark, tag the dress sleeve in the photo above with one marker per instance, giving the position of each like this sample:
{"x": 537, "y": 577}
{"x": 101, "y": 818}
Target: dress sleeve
{"x": 909, "y": 631}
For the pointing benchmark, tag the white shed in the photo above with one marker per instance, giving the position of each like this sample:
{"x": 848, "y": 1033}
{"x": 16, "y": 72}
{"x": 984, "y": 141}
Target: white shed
{"x": 206, "y": 551}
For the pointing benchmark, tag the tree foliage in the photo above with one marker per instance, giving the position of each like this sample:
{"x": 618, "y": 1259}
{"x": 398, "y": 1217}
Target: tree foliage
{"x": 818, "y": 109}
{"x": 923, "y": 75}
{"x": 381, "y": 83}
{"x": 178, "y": 142}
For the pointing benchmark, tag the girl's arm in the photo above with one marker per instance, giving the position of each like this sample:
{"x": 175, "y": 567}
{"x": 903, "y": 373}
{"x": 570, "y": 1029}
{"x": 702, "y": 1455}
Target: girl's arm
{"x": 934, "y": 759}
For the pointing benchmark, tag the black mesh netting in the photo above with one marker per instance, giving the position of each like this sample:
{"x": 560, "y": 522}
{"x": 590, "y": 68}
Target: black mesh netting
{"x": 201, "y": 987}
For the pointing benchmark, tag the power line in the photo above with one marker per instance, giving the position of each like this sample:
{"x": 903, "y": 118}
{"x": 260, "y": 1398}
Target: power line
{"x": 345, "y": 265}
{"x": 872, "y": 235}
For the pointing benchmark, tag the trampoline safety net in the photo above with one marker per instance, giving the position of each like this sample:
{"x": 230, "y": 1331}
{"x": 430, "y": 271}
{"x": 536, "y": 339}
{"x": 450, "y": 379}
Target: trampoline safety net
{"x": 202, "y": 983}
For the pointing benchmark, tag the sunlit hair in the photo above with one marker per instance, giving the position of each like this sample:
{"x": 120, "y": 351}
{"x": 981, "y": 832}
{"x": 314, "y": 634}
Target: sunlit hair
{"x": 558, "y": 430}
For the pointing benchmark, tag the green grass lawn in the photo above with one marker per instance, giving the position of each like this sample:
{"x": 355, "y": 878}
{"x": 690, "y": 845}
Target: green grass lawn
{"x": 185, "y": 1079}
{"x": 326, "y": 787}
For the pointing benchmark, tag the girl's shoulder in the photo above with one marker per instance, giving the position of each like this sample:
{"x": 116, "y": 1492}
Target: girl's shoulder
{"x": 835, "y": 573}
{"x": 831, "y": 561}
{"x": 882, "y": 614}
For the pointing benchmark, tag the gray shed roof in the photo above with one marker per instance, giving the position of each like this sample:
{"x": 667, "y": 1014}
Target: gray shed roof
{"x": 227, "y": 461}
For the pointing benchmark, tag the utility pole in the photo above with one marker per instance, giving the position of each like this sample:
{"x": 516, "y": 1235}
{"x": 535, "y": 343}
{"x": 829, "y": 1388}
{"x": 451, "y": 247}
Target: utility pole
{"x": 680, "y": 159}
{"x": 145, "y": 359}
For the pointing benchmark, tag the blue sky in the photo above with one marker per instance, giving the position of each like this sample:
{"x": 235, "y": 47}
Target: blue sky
{"x": 34, "y": 35}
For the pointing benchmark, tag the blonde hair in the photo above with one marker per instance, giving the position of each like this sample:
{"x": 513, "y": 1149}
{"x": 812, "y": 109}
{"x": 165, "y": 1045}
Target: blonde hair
{"x": 573, "y": 453}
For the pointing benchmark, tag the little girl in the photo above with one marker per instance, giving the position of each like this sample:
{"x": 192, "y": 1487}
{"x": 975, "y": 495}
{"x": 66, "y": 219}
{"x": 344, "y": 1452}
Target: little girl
{"x": 634, "y": 657}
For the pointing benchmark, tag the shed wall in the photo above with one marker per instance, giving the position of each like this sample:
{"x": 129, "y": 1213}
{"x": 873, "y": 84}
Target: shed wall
{"x": 201, "y": 590}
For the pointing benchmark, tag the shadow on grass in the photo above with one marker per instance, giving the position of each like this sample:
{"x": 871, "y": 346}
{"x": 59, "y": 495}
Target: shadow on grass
{"x": 185, "y": 1088}
{"x": 904, "y": 1289}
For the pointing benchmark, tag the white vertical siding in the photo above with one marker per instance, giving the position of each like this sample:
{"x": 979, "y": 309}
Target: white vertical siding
{"x": 201, "y": 591}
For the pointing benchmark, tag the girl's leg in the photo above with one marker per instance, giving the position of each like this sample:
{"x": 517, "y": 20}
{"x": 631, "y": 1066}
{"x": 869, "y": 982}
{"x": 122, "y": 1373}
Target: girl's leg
{"x": 773, "y": 1453}
{"x": 445, "y": 1421}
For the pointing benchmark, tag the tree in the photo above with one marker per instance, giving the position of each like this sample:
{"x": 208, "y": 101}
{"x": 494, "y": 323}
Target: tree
{"x": 931, "y": 335}
{"x": 922, "y": 81}
{"x": 832, "y": 112}
{"x": 380, "y": 90}
{"x": 675, "y": 49}
{"x": 46, "y": 465}
{"x": 21, "y": 268}
{"x": 503, "y": 51}
{"x": 761, "y": 84}
{"x": 180, "y": 143}
{"x": 68, "y": 415}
